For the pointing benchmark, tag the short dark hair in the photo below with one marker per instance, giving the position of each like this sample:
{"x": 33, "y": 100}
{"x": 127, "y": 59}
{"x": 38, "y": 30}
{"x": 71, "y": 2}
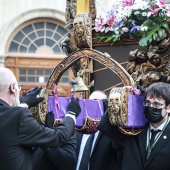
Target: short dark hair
{"x": 159, "y": 90}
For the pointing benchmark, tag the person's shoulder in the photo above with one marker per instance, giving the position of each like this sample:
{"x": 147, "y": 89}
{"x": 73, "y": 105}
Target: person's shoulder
{"x": 21, "y": 110}
{"x": 15, "y": 112}
{"x": 14, "y": 108}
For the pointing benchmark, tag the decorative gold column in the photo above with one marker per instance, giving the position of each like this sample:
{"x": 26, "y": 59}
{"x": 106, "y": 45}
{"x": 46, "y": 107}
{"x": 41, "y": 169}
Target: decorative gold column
{"x": 83, "y": 6}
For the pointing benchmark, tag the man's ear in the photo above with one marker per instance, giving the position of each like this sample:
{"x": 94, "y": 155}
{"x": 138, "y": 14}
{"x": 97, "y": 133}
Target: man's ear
{"x": 168, "y": 108}
{"x": 12, "y": 88}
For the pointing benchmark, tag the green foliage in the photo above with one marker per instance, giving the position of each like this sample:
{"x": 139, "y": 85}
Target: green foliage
{"x": 136, "y": 21}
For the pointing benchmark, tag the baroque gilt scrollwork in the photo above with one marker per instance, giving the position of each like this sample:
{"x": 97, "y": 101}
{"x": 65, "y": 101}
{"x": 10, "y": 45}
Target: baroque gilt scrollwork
{"x": 83, "y": 30}
{"x": 93, "y": 11}
{"x": 150, "y": 66}
{"x": 118, "y": 105}
{"x": 92, "y": 54}
{"x": 166, "y": 72}
{"x": 67, "y": 46}
{"x": 39, "y": 111}
{"x": 120, "y": 113}
{"x": 114, "y": 103}
{"x": 71, "y": 10}
{"x": 160, "y": 45}
{"x": 67, "y": 11}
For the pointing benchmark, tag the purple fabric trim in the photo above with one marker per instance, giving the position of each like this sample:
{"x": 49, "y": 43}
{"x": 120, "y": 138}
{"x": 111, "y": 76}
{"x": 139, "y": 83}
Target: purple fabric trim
{"x": 136, "y": 117}
{"x": 92, "y": 108}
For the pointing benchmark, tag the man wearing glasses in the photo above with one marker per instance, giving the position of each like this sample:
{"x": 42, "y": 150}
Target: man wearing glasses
{"x": 150, "y": 149}
{"x": 19, "y": 131}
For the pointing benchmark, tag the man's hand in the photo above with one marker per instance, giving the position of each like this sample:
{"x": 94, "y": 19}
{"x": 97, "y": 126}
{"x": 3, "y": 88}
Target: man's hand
{"x": 49, "y": 121}
{"x": 74, "y": 107}
{"x": 31, "y": 97}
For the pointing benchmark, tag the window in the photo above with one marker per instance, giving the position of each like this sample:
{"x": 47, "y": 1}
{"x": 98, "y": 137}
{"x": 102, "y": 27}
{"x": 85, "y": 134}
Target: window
{"x": 37, "y": 35}
{"x": 64, "y": 78}
{"x": 34, "y": 50}
{"x": 39, "y": 76}
{"x": 34, "y": 76}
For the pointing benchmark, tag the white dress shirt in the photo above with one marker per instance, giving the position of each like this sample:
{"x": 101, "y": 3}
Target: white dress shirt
{"x": 83, "y": 143}
{"x": 161, "y": 127}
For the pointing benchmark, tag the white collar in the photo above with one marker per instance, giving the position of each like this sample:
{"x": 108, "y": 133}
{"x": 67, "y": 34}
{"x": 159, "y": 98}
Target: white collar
{"x": 159, "y": 127}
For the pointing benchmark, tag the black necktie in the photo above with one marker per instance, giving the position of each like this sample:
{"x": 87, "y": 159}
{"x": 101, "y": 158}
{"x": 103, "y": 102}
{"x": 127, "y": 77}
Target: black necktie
{"x": 86, "y": 153}
{"x": 153, "y": 134}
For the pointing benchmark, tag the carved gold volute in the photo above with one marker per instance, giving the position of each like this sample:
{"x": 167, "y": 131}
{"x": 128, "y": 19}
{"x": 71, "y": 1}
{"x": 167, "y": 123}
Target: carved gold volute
{"x": 74, "y": 7}
{"x": 83, "y": 30}
{"x": 153, "y": 65}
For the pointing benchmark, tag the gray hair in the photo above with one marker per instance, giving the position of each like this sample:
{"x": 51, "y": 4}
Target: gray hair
{"x": 6, "y": 78}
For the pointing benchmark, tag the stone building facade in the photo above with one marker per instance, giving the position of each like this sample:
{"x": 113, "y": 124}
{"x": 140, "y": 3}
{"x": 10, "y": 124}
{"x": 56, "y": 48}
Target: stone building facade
{"x": 30, "y": 35}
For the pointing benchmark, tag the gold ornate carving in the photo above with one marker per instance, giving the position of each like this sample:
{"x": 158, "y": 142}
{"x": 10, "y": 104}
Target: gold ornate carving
{"x": 118, "y": 105}
{"x": 118, "y": 109}
{"x": 148, "y": 78}
{"x": 57, "y": 121}
{"x": 71, "y": 11}
{"x": 59, "y": 90}
{"x": 129, "y": 131}
{"x": 151, "y": 66}
{"x": 114, "y": 104}
{"x": 39, "y": 111}
{"x": 67, "y": 11}
{"x": 160, "y": 45}
{"x": 166, "y": 72}
{"x": 83, "y": 30}
{"x": 102, "y": 58}
{"x": 90, "y": 126}
{"x": 93, "y": 11}
{"x": 67, "y": 46}
{"x": 73, "y": 5}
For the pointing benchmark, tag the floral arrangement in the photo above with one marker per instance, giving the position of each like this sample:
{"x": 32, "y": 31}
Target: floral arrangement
{"x": 147, "y": 20}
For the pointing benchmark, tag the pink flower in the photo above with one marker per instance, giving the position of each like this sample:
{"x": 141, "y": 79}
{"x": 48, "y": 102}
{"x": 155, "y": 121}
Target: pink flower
{"x": 127, "y": 3}
{"x": 110, "y": 22}
{"x": 124, "y": 19}
{"x": 168, "y": 12}
{"x": 125, "y": 29}
{"x": 154, "y": 9}
{"x": 161, "y": 3}
{"x": 99, "y": 24}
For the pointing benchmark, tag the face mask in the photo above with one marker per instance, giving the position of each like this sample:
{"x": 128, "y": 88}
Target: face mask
{"x": 153, "y": 115}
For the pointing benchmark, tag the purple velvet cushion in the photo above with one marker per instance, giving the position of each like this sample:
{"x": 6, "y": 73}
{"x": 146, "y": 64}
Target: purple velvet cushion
{"x": 92, "y": 108}
{"x": 136, "y": 117}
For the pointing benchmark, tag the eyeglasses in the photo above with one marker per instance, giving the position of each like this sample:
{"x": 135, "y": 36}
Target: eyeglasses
{"x": 154, "y": 104}
{"x": 19, "y": 86}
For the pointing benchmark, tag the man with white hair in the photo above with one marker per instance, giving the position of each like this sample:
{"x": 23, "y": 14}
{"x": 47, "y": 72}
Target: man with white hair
{"x": 105, "y": 154}
{"x": 19, "y": 131}
{"x": 98, "y": 95}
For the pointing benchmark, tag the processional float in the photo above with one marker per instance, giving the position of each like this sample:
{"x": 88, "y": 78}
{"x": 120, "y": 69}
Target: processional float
{"x": 125, "y": 104}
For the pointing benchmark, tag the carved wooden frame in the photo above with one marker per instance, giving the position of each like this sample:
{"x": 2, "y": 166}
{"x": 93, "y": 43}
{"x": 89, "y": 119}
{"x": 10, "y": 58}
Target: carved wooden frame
{"x": 103, "y": 58}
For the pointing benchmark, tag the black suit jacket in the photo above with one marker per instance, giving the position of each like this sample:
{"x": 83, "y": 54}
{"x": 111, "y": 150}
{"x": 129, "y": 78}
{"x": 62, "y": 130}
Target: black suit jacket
{"x": 106, "y": 154}
{"x": 62, "y": 158}
{"x": 19, "y": 132}
{"x": 134, "y": 157}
